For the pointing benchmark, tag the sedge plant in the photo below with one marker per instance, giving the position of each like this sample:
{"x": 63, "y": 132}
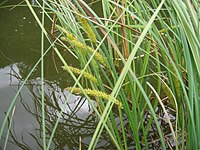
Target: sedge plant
{"x": 139, "y": 61}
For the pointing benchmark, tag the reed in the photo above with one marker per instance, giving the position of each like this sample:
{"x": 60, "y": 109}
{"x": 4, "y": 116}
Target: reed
{"x": 141, "y": 49}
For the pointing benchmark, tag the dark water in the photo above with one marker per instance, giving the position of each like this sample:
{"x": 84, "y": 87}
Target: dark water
{"x": 19, "y": 51}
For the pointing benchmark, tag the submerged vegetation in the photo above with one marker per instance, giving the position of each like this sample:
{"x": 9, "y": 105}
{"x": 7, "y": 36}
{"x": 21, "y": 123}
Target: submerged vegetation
{"x": 140, "y": 62}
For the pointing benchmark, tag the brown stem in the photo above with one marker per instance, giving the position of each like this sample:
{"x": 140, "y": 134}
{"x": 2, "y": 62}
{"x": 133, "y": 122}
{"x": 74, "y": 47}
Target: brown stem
{"x": 125, "y": 52}
{"x": 53, "y": 24}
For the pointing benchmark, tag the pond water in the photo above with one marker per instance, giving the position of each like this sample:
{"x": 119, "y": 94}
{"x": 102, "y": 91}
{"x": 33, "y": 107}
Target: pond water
{"x": 19, "y": 52}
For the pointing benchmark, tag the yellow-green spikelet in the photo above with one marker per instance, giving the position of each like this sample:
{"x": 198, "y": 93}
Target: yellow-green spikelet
{"x": 87, "y": 28}
{"x": 84, "y": 48}
{"x": 69, "y": 35}
{"x": 76, "y": 43}
{"x": 96, "y": 93}
{"x": 78, "y": 71}
{"x": 98, "y": 56}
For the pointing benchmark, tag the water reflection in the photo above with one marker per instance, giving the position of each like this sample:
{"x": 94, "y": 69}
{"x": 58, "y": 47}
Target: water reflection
{"x": 19, "y": 51}
{"x": 9, "y": 85}
{"x": 78, "y": 120}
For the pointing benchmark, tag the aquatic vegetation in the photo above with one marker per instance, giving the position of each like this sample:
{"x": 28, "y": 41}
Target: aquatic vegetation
{"x": 146, "y": 57}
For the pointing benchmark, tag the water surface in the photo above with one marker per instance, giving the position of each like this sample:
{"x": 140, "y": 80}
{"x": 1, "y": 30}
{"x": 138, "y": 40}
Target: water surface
{"x": 19, "y": 51}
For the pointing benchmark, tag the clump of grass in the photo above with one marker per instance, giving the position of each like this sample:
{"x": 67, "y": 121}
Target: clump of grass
{"x": 173, "y": 26}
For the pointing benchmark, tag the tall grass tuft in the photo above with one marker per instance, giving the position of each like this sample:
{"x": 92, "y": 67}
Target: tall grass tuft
{"x": 145, "y": 53}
